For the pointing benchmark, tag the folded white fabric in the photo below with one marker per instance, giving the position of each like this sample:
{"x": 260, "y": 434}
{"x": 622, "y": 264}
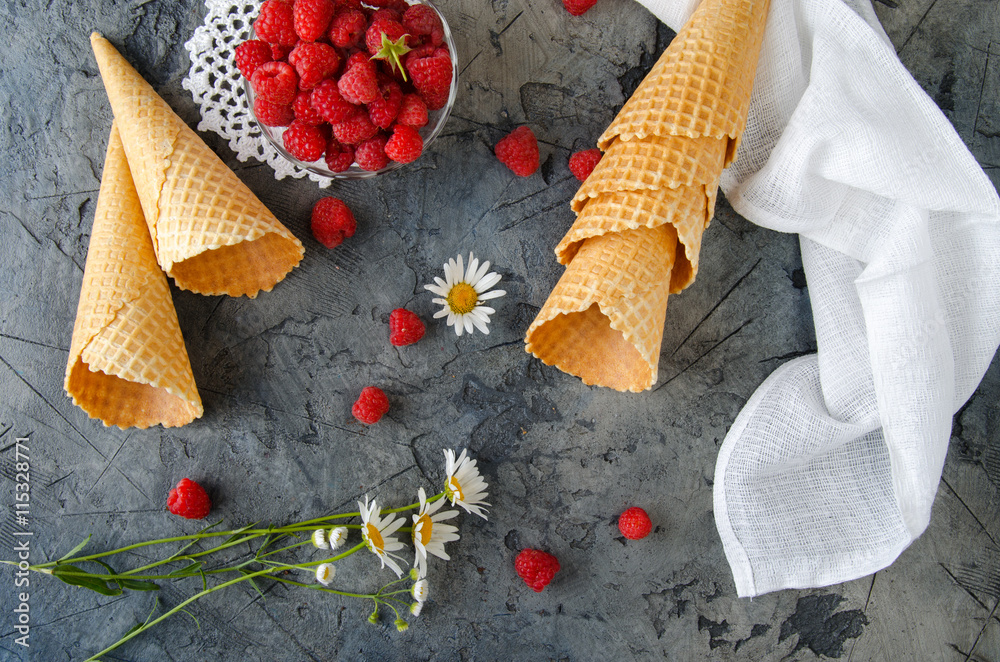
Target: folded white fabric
{"x": 830, "y": 470}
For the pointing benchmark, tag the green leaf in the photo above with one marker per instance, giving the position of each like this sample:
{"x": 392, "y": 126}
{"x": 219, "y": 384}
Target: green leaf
{"x": 138, "y": 584}
{"x": 392, "y": 51}
{"x": 75, "y": 576}
{"x": 188, "y": 570}
{"x": 253, "y": 583}
{"x": 75, "y": 549}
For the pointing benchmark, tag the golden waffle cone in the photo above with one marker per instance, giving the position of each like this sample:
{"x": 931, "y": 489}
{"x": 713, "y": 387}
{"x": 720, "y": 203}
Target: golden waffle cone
{"x": 210, "y": 232}
{"x": 127, "y": 362}
{"x": 701, "y": 84}
{"x": 604, "y": 320}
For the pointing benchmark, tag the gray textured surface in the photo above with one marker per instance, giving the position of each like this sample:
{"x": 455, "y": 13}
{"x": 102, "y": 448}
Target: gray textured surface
{"x": 278, "y": 375}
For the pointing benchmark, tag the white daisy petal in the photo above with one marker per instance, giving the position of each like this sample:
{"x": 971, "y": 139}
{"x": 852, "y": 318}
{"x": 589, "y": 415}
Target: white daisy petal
{"x": 484, "y": 267}
{"x": 468, "y": 323}
{"x": 487, "y": 282}
{"x": 481, "y": 325}
{"x": 486, "y": 296}
{"x": 470, "y": 273}
{"x": 441, "y": 313}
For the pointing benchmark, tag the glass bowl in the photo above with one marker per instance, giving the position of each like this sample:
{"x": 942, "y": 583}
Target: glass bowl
{"x": 435, "y": 119}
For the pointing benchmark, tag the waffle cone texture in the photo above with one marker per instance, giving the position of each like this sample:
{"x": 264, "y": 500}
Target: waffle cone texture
{"x": 643, "y": 210}
{"x": 127, "y": 363}
{"x": 209, "y": 232}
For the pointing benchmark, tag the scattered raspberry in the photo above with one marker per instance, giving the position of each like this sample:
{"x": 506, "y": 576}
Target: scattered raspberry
{"x": 311, "y": 18}
{"x": 358, "y": 84}
{"x": 384, "y": 108}
{"x": 355, "y": 129}
{"x": 371, "y": 405}
{"x": 277, "y": 82}
{"x": 314, "y": 62}
{"x": 332, "y": 221}
{"x": 578, "y": 7}
{"x": 347, "y": 28}
{"x": 536, "y": 568}
{"x": 581, "y": 164}
{"x": 518, "y": 150}
{"x": 272, "y": 114}
{"x": 251, "y": 54}
{"x": 424, "y": 21}
{"x": 370, "y": 154}
{"x": 306, "y": 142}
{"x": 432, "y": 77}
{"x": 304, "y": 111}
{"x": 405, "y": 328}
{"x": 330, "y": 104}
{"x": 405, "y": 145}
{"x": 338, "y": 157}
{"x": 634, "y": 523}
{"x": 189, "y": 500}
{"x": 275, "y": 24}
{"x": 412, "y": 111}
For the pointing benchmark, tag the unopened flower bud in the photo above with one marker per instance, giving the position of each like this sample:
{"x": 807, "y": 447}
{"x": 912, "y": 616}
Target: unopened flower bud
{"x": 319, "y": 539}
{"x": 338, "y": 536}
{"x": 416, "y": 608}
{"x": 401, "y": 625}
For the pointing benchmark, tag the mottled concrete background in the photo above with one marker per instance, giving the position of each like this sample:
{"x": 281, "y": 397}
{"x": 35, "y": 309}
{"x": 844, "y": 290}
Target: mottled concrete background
{"x": 278, "y": 375}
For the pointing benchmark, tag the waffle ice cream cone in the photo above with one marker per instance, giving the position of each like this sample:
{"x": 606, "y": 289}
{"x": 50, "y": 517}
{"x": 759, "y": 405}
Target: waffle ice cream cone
{"x": 127, "y": 362}
{"x": 210, "y": 233}
{"x": 642, "y": 211}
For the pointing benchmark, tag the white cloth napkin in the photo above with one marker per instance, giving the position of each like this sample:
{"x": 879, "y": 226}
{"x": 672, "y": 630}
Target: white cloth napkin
{"x": 830, "y": 470}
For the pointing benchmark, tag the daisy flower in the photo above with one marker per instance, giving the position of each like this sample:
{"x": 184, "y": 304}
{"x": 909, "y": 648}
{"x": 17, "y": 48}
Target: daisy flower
{"x": 429, "y": 534}
{"x": 338, "y": 536}
{"x": 420, "y": 590}
{"x": 319, "y": 539}
{"x": 378, "y": 534}
{"x": 464, "y": 486}
{"x": 462, "y": 293}
{"x": 325, "y": 573}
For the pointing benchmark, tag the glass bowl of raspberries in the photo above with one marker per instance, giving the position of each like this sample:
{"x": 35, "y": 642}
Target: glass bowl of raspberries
{"x": 349, "y": 88}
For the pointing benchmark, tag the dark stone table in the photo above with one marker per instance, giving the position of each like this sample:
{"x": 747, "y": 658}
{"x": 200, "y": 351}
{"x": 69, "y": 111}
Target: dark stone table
{"x": 278, "y": 375}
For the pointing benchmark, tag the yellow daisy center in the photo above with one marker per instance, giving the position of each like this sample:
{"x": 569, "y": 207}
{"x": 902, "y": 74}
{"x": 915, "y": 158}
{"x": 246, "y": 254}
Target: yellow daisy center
{"x": 455, "y": 489}
{"x": 374, "y": 537}
{"x": 462, "y": 298}
{"x": 423, "y": 529}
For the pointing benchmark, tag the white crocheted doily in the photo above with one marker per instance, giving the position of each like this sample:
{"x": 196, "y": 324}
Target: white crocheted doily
{"x": 217, "y": 86}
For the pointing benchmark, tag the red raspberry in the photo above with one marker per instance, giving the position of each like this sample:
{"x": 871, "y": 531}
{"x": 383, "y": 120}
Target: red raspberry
{"x": 371, "y": 405}
{"x": 432, "y": 77}
{"x": 581, "y": 164}
{"x": 251, "y": 54}
{"x": 189, "y": 500}
{"x": 338, "y": 157}
{"x": 405, "y": 144}
{"x": 304, "y": 111}
{"x": 578, "y": 7}
{"x": 332, "y": 222}
{"x": 373, "y": 35}
{"x": 395, "y": 5}
{"x": 314, "y": 62}
{"x": 536, "y": 568}
{"x": 405, "y": 328}
{"x": 277, "y": 82}
{"x": 518, "y": 150}
{"x": 329, "y": 103}
{"x": 355, "y": 129}
{"x": 359, "y": 84}
{"x": 634, "y": 523}
{"x": 424, "y": 21}
{"x": 272, "y": 114}
{"x": 311, "y": 18}
{"x": 370, "y": 154}
{"x": 355, "y": 58}
{"x": 383, "y": 109}
{"x": 306, "y": 142}
{"x": 275, "y": 23}
{"x": 412, "y": 111}
{"x": 280, "y": 52}
{"x": 347, "y": 27}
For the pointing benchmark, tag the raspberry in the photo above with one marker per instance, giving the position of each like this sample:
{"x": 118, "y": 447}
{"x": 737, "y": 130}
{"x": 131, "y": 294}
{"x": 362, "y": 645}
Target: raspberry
{"x": 518, "y": 150}
{"x": 358, "y": 84}
{"x": 306, "y": 142}
{"x": 330, "y": 104}
{"x": 280, "y": 52}
{"x": 384, "y": 108}
{"x": 634, "y": 523}
{"x": 405, "y": 328}
{"x": 311, "y": 18}
{"x": 578, "y": 7}
{"x": 432, "y": 77}
{"x": 272, "y": 114}
{"x": 581, "y": 164}
{"x": 338, "y": 157}
{"x": 371, "y": 405}
{"x": 189, "y": 500}
{"x": 347, "y": 27}
{"x": 536, "y": 568}
{"x": 405, "y": 145}
{"x": 332, "y": 222}
{"x": 277, "y": 82}
{"x": 304, "y": 111}
{"x": 251, "y": 54}
{"x": 355, "y": 129}
{"x": 395, "y": 5}
{"x": 424, "y": 21}
{"x": 370, "y": 154}
{"x": 373, "y": 35}
{"x": 412, "y": 111}
{"x": 275, "y": 23}
{"x": 314, "y": 62}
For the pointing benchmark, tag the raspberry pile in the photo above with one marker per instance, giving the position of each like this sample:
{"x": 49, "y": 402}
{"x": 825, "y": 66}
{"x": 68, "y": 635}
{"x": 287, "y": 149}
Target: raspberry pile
{"x": 353, "y": 83}
{"x": 536, "y": 568}
{"x": 189, "y": 500}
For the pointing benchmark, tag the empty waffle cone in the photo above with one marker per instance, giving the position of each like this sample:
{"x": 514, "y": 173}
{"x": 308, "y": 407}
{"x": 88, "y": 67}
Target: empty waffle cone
{"x": 210, "y": 233}
{"x": 127, "y": 362}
